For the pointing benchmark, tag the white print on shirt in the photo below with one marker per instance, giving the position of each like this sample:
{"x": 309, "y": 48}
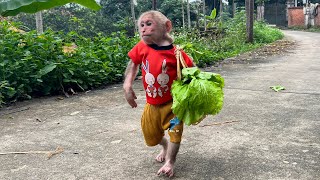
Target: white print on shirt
{"x": 163, "y": 79}
{"x": 150, "y": 80}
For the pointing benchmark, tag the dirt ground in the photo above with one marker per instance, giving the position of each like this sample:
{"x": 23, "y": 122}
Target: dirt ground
{"x": 280, "y": 47}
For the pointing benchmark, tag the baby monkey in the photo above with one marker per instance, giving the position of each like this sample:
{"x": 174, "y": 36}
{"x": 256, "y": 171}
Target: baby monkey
{"x": 155, "y": 53}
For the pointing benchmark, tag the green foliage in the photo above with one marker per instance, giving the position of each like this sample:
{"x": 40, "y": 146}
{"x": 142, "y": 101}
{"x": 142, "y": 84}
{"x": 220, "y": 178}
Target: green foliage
{"x": 201, "y": 49}
{"x": 229, "y": 41}
{"x": 55, "y": 61}
{"x": 212, "y": 19}
{"x": 50, "y": 63}
{"x": 84, "y": 22}
{"x": 172, "y": 9}
{"x": 113, "y": 16}
{"x": 6, "y": 92}
{"x": 264, "y": 34}
{"x": 14, "y": 7}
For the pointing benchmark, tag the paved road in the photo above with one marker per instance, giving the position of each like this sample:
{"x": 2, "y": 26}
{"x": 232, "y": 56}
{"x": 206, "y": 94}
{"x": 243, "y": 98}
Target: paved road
{"x": 272, "y": 135}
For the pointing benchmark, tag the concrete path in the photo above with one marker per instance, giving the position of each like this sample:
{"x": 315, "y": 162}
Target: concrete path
{"x": 270, "y": 135}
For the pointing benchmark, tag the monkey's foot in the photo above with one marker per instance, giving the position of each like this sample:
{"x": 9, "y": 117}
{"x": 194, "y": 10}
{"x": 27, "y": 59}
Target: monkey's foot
{"x": 161, "y": 156}
{"x": 166, "y": 169}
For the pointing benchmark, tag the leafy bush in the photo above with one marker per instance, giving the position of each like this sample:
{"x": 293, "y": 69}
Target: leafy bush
{"x": 265, "y": 34}
{"x": 231, "y": 41}
{"x": 52, "y": 63}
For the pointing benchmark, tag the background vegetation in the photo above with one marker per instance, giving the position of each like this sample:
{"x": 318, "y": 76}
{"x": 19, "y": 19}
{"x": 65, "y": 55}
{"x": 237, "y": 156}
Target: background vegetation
{"x": 82, "y": 50}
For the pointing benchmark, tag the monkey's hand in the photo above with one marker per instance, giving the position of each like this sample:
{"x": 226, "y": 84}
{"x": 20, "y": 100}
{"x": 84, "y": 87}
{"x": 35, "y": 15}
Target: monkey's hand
{"x": 131, "y": 73}
{"x": 130, "y": 97}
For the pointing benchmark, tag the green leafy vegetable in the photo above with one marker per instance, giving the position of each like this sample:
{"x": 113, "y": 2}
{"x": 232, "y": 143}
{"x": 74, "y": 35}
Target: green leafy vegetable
{"x": 277, "y": 88}
{"x": 197, "y": 95}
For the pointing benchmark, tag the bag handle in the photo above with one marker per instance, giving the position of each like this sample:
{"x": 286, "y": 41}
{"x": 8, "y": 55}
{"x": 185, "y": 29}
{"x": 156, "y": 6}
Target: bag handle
{"x": 180, "y": 61}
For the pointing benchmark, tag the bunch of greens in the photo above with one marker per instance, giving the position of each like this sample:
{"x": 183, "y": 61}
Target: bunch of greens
{"x": 197, "y": 95}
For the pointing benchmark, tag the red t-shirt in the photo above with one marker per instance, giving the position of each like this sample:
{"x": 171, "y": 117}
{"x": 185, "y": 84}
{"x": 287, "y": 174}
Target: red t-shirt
{"x": 159, "y": 69}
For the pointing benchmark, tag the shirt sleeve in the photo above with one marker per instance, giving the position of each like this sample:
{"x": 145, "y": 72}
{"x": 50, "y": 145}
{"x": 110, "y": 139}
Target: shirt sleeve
{"x": 134, "y": 54}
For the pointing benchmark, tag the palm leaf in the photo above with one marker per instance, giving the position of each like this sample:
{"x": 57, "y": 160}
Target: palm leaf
{"x": 14, "y": 7}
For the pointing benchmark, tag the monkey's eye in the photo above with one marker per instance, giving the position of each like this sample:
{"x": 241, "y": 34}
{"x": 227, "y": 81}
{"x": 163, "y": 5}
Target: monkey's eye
{"x": 141, "y": 25}
{"x": 148, "y": 23}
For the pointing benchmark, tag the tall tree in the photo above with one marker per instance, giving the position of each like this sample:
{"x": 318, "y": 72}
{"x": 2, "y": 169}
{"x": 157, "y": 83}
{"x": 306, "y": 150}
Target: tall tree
{"x": 204, "y": 15}
{"x": 154, "y": 4}
{"x": 260, "y": 9}
{"x": 188, "y": 14}
{"x": 221, "y": 9}
{"x": 132, "y": 4}
{"x": 249, "y": 14}
{"x": 117, "y": 12}
{"x": 233, "y": 8}
{"x": 39, "y": 22}
{"x": 183, "y": 23}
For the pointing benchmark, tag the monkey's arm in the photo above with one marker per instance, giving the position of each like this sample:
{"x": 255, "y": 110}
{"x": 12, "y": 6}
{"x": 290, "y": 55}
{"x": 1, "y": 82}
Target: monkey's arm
{"x": 130, "y": 75}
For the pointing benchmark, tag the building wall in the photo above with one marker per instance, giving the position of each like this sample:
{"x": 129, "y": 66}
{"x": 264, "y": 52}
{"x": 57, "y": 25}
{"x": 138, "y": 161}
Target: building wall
{"x": 296, "y": 17}
{"x": 317, "y": 18}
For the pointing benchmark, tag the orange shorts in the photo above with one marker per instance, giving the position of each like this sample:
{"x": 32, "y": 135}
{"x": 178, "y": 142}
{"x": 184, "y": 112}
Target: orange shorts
{"x": 155, "y": 120}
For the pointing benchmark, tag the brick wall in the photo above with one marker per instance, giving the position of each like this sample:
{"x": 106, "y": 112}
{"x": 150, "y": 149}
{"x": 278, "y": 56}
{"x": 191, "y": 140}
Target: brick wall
{"x": 296, "y": 16}
{"x": 317, "y": 18}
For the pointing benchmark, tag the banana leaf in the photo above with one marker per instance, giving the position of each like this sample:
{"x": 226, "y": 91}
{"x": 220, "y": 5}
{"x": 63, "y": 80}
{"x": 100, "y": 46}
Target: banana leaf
{"x": 14, "y": 7}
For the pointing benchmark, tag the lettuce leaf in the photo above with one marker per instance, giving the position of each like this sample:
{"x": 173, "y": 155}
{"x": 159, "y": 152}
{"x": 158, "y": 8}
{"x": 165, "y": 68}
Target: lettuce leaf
{"x": 198, "y": 94}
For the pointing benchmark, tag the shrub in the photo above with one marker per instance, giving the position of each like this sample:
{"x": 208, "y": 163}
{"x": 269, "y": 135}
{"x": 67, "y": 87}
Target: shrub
{"x": 53, "y": 62}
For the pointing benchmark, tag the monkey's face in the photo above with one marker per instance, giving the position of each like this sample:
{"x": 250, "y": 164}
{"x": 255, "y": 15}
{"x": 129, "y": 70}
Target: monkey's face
{"x": 149, "y": 30}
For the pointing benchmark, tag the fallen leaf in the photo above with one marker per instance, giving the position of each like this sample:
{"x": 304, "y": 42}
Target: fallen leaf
{"x": 74, "y": 113}
{"x": 116, "y": 142}
{"x": 60, "y": 98}
{"x": 19, "y": 168}
{"x": 277, "y": 88}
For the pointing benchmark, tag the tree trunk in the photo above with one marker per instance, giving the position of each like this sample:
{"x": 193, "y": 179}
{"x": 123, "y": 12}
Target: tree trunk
{"x": 234, "y": 8}
{"x": 198, "y": 15}
{"x": 39, "y": 22}
{"x": 249, "y": 23}
{"x": 221, "y": 10}
{"x": 188, "y": 14}
{"x": 183, "y": 23}
{"x": 154, "y": 4}
{"x": 260, "y": 12}
{"x": 204, "y": 15}
{"x": 133, "y": 16}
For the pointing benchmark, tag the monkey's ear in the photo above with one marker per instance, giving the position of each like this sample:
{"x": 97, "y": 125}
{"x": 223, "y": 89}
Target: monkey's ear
{"x": 168, "y": 26}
